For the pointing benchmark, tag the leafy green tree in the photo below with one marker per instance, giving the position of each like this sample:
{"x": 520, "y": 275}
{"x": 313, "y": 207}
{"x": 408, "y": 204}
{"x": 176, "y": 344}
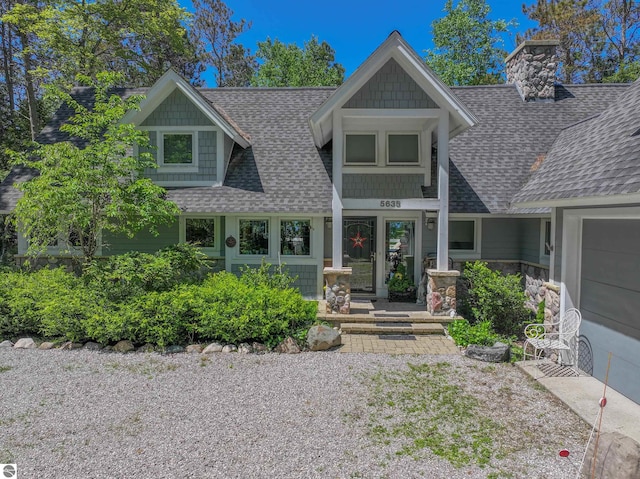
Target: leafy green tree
{"x": 290, "y": 65}
{"x": 94, "y": 183}
{"x": 467, "y": 44}
{"x": 216, "y": 33}
{"x": 598, "y": 38}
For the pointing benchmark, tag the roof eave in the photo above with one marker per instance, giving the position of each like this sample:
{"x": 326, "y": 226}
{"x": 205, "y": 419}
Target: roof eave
{"x": 580, "y": 201}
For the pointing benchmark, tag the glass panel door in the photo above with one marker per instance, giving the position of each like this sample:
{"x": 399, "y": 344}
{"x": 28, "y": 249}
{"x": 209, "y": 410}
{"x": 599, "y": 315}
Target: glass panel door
{"x": 359, "y": 249}
{"x": 399, "y": 248}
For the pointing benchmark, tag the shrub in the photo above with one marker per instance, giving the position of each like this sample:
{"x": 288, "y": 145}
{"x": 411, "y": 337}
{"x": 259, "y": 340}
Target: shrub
{"x": 495, "y": 297}
{"x": 49, "y": 302}
{"x": 132, "y": 274}
{"x": 464, "y": 333}
{"x": 400, "y": 281}
{"x": 231, "y": 310}
{"x": 266, "y": 275}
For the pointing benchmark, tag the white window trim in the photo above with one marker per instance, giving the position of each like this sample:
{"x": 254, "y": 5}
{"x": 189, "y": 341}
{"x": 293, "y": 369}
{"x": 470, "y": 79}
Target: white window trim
{"x": 173, "y": 167}
{"x": 269, "y": 237}
{"x": 355, "y": 132}
{"x": 209, "y": 251}
{"x": 310, "y": 220}
{"x": 404, "y": 133}
{"x": 545, "y": 258}
{"x": 477, "y": 230}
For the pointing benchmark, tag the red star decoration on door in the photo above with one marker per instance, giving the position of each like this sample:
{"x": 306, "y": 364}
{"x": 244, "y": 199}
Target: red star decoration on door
{"x": 358, "y": 240}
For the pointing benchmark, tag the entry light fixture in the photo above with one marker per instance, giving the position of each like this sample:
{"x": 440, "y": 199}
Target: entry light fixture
{"x": 431, "y": 222}
{"x": 328, "y": 222}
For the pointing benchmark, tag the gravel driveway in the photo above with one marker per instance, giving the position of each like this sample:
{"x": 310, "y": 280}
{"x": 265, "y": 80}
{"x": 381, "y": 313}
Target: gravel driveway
{"x": 84, "y": 414}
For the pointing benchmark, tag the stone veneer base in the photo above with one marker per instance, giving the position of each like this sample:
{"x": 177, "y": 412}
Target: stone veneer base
{"x": 441, "y": 292}
{"x": 337, "y": 286}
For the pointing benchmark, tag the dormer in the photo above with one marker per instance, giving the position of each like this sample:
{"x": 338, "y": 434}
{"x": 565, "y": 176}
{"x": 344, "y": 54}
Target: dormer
{"x": 385, "y": 116}
{"x": 191, "y": 139}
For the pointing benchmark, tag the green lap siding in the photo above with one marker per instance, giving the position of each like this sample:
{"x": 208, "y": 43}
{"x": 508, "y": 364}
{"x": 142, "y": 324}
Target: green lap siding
{"x": 144, "y": 241}
{"x": 511, "y": 239}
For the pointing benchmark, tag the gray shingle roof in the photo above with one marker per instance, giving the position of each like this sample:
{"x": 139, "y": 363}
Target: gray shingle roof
{"x": 492, "y": 160}
{"x": 283, "y": 171}
{"x": 596, "y": 157}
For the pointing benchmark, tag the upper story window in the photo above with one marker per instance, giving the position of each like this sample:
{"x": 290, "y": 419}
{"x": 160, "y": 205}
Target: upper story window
{"x": 403, "y": 148}
{"x": 177, "y": 151}
{"x": 360, "y": 149}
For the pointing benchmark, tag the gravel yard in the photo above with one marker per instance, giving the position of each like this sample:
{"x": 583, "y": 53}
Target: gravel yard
{"x": 83, "y": 414}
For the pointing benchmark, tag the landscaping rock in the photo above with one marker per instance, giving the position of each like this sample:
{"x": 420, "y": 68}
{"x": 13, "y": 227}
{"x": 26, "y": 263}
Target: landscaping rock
{"x": 6, "y": 344}
{"x": 124, "y": 346}
{"x": 259, "y": 348}
{"x": 68, "y": 346}
{"x": 618, "y": 456}
{"x": 91, "y": 346}
{"x": 230, "y": 348}
{"x": 146, "y": 348}
{"x": 47, "y": 345}
{"x": 498, "y": 353}
{"x": 245, "y": 348}
{"x": 25, "y": 343}
{"x": 193, "y": 348}
{"x": 213, "y": 348}
{"x": 174, "y": 349}
{"x": 322, "y": 337}
{"x": 288, "y": 346}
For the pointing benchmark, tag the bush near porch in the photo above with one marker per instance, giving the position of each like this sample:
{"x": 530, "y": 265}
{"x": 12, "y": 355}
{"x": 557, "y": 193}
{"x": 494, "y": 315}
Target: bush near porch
{"x": 494, "y": 307}
{"x": 162, "y": 299}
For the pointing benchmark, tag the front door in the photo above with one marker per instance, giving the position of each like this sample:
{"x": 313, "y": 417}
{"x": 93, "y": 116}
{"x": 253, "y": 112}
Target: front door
{"x": 359, "y": 246}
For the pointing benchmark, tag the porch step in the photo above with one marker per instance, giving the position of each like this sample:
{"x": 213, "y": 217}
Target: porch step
{"x": 392, "y": 328}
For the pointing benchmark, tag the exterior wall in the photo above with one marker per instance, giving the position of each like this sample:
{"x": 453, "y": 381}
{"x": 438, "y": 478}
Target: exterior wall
{"x": 176, "y": 110}
{"x": 307, "y": 274}
{"x": 390, "y": 87}
{"x": 500, "y": 239}
{"x": 530, "y": 239}
{"x": 144, "y": 241}
{"x": 381, "y": 186}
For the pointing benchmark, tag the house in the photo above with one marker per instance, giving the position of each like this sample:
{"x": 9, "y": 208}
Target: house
{"x": 342, "y": 184}
{"x": 590, "y": 179}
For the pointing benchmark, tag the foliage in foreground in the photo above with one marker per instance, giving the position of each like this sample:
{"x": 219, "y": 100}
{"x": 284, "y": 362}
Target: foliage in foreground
{"x": 154, "y": 303}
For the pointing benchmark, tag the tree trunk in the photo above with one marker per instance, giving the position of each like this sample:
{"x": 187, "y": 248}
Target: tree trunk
{"x": 34, "y": 117}
{"x": 7, "y": 62}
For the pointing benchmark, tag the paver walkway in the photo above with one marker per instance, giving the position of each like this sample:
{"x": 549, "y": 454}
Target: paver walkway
{"x": 400, "y": 344}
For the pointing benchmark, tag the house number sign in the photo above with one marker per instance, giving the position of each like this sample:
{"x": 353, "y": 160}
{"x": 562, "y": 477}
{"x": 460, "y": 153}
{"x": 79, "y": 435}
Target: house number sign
{"x": 390, "y": 204}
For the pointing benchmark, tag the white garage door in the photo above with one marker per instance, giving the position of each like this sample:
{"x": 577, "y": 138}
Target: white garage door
{"x": 610, "y": 302}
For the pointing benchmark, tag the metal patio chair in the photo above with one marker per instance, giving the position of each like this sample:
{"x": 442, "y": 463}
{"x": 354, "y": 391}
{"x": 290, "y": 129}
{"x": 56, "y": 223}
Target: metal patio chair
{"x": 561, "y": 336}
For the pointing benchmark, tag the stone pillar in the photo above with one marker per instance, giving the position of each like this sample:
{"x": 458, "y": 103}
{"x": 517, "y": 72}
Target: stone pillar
{"x": 441, "y": 292}
{"x": 337, "y": 290}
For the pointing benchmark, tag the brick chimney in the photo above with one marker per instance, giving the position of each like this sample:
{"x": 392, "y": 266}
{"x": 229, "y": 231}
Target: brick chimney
{"x": 532, "y": 68}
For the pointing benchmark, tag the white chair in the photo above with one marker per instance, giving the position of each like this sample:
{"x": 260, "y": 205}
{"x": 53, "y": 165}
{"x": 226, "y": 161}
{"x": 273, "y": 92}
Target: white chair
{"x": 561, "y": 336}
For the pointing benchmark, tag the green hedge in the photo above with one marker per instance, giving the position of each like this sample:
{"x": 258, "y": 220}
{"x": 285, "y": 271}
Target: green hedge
{"x": 156, "y": 302}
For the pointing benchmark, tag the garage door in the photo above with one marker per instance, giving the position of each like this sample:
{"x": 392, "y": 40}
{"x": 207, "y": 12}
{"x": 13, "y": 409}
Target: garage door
{"x": 610, "y": 302}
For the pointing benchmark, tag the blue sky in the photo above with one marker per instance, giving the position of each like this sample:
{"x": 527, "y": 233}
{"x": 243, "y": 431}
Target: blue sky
{"x": 354, "y": 28}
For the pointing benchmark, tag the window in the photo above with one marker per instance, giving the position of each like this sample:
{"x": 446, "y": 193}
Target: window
{"x": 462, "y": 235}
{"x": 201, "y": 232}
{"x": 254, "y": 237}
{"x": 546, "y": 246}
{"x": 403, "y": 148}
{"x": 178, "y": 149}
{"x": 295, "y": 237}
{"x": 360, "y": 148}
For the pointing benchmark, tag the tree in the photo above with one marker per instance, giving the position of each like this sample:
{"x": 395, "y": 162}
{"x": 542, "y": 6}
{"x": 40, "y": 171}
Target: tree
{"x": 290, "y": 65}
{"x": 93, "y": 184}
{"x": 217, "y": 32}
{"x": 467, "y": 44}
{"x": 598, "y": 38}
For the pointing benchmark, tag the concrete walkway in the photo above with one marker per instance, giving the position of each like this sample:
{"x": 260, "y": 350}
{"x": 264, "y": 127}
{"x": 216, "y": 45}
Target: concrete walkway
{"x": 582, "y": 394}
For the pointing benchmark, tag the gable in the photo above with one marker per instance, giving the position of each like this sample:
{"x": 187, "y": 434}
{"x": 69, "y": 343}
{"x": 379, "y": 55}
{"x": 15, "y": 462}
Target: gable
{"x": 176, "y": 110}
{"x": 390, "y": 87}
